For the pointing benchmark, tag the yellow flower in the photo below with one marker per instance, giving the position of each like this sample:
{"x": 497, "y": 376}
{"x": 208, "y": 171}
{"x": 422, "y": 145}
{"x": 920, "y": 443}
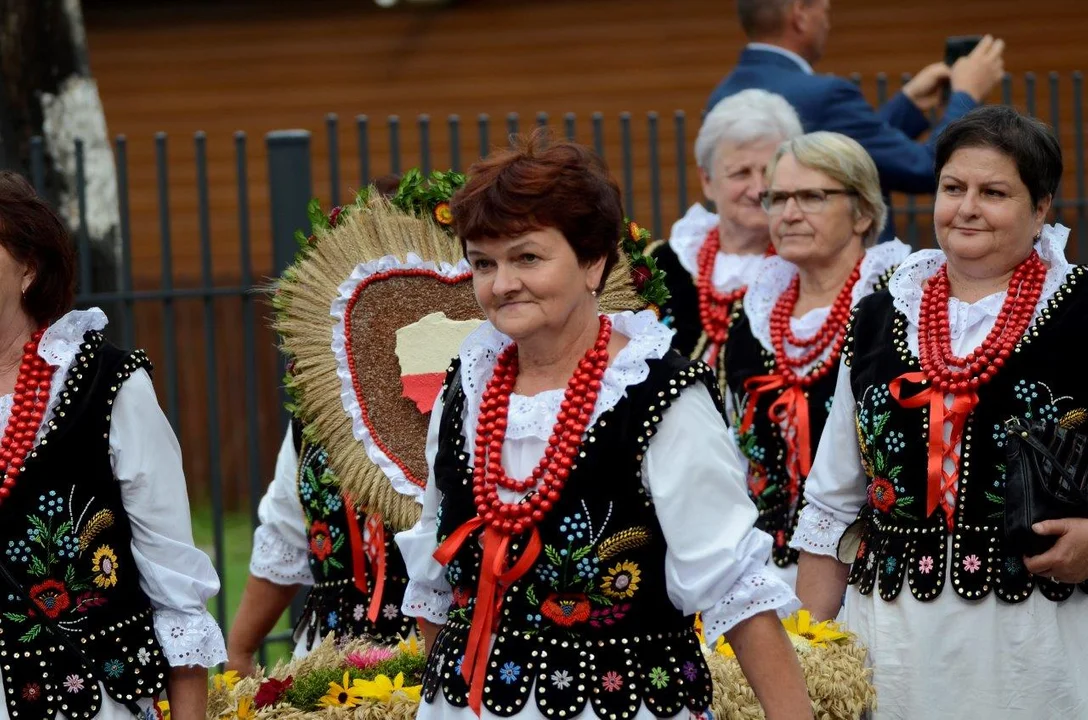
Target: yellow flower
{"x": 245, "y": 709}
{"x": 621, "y": 581}
{"x": 346, "y": 695}
{"x": 225, "y": 681}
{"x": 104, "y": 564}
{"x": 409, "y": 646}
{"x": 699, "y": 628}
{"x": 656, "y": 309}
{"x": 442, "y": 214}
{"x": 164, "y": 709}
{"x": 382, "y": 688}
{"x": 724, "y": 649}
{"x": 819, "y": 634}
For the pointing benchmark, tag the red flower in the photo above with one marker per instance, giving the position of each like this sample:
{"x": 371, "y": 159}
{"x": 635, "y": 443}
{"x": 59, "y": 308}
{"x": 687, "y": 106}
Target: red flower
{"x": 641, "y": 275}
{"x": 757, "y": 479}
{"x": 320, "y": 542}
{"x": 334, "y": 215}
{"x": 881, "y": 495}
{"x": 566, "y": 609}
{"x": 461, "y": 596}
{"x": 270, "y": 692}
{"x": 51, "y": 597}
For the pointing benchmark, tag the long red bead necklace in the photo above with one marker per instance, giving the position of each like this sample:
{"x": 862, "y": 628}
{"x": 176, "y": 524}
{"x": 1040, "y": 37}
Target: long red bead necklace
{"x": 831, "y": 333}
{"x": 958, "y": 374}
{"x": 27, "y": 413}
{"x": 945, "y": 374}
{"x": 715, "y": 307}
{"x": 549, "y": 476}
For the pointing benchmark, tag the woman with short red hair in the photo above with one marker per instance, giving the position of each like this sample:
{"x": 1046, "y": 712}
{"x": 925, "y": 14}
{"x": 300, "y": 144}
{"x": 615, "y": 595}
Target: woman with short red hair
{"x": 584, "y": 501}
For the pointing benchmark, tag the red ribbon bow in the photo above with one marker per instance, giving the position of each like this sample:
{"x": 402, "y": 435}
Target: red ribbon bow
{"x": 492, "y": 585}
{"x": 369, "y": 552}
{"x": 939, "y": 483}
{"x": 790, "y": 411}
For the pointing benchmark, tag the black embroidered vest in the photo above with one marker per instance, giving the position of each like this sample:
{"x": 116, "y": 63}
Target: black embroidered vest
{"x": 763, "y": 443}
{"x": 681, "y": 311}
{"x": 80, "y": 617}
{"x": 591, "y": 620}
{"x": 1042, "y": 378}
{"x": 340, "y": 554}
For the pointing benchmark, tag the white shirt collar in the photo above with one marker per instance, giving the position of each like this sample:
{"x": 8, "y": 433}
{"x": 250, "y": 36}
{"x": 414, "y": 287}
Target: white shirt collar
{"x": 801, "y": 62}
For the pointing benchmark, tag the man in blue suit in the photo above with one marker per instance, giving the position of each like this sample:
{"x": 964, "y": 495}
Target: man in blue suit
{"x": 786, "y": 37}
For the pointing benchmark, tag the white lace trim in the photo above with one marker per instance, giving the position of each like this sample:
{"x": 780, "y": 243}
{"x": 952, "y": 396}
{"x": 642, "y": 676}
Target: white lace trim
{"x": 343, "y": 370}
{"x": 754, "y": 593}
{"x": 818, "y": 532}
{"x": 427, "y": 603}
{"x": 277, "y": 561}
{"x": 59, "y": 346}
{"x": 907, "y": 283}
{"x": 189, "y": 638}
{"x": 535, "y": 416}
{"x": 731, "y": 271}
{"x": 776, "y": 274}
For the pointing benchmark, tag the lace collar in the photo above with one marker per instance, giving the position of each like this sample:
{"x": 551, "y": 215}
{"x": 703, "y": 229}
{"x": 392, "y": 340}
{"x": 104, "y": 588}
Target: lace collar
{"x": 776, "y": 274}
{"x": 59, "y": 346}
{"x": 731, "y": 271}
{"x": 907, "y": 283}
{"x": 534, "y": 416}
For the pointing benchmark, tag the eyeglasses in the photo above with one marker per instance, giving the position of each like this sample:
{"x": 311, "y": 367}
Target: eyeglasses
{"x": 810, "y": 200}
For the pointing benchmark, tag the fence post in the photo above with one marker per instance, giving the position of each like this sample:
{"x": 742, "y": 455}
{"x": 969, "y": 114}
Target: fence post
{"x": 290, "y": 187}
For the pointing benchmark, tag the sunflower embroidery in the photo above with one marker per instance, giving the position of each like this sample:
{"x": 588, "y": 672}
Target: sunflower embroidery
{"x": 621, "y": 581}
{"x": 104, "y": 564}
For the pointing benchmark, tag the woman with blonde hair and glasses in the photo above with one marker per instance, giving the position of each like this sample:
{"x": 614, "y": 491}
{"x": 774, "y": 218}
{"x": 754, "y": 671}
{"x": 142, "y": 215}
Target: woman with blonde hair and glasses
{"x": 826, "y": 211}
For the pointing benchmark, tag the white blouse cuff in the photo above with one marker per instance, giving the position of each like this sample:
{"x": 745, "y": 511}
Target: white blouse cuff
{"x": 757, "y": 591}
{"x": 189, "y": 638}
{"x": 818, "y": 532}
{"x": 425, "y": 602}
{"x": 274, "y": 559}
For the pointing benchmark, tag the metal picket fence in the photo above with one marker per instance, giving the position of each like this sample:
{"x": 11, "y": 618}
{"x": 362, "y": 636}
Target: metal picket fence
{"x": 254, "y": 401}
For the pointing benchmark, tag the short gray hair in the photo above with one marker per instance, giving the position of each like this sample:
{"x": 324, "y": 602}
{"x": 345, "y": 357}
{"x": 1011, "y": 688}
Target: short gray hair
{"x": 743, "y": 118}
{"x": 844, "y": 160}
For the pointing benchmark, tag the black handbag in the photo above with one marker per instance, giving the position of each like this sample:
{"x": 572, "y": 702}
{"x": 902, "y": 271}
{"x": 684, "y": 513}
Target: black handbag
{"x": 1046, "y": 478}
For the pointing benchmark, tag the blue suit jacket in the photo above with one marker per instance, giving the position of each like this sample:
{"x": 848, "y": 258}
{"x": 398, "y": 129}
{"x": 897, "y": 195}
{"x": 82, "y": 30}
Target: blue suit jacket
{"x": 826, "y": 102}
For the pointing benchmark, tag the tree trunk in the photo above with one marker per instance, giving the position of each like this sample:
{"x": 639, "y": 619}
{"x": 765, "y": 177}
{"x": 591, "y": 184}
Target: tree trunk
{"x": 46, "y": 89}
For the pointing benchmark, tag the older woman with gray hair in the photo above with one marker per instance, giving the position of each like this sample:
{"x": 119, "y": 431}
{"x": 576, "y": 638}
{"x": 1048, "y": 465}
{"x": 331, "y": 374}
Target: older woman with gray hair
{"x": 709, "y": 258}
{"x": 826, "y": 211}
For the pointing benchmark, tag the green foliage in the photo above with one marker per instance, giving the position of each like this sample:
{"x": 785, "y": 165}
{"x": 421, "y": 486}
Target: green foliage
{"x": 308, "y": 689}
{"x": 411, "y": 665}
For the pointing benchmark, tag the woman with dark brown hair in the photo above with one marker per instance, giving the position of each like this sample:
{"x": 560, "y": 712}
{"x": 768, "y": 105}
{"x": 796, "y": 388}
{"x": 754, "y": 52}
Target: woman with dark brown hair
{"x": 908, "y": 499}
{"x": 584, "y": 501}
{"x": 102, "y": 592}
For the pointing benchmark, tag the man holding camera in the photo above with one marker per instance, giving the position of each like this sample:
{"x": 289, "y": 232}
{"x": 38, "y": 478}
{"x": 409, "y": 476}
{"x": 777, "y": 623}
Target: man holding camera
{"x": 786, "y": 37}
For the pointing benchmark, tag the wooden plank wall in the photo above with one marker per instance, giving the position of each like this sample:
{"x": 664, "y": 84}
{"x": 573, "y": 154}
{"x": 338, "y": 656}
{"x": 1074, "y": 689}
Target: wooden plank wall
{"x": 219, "y": 67}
